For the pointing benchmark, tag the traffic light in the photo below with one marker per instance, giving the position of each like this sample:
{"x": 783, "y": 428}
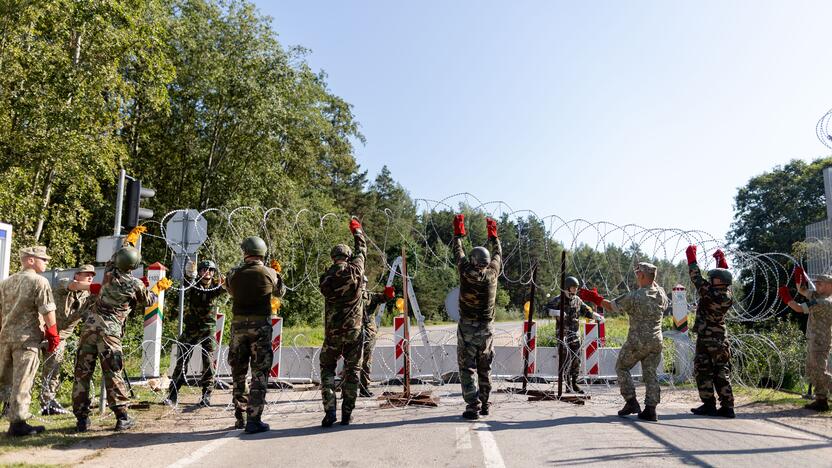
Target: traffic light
{"x": 133, "y": 212}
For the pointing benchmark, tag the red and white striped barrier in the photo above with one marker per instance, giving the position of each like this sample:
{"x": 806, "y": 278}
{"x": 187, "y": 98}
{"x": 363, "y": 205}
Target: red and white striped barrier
{"x": 530, "y": 348}
{"x": 398, "y": 333}
{"x": 591, "y": 346}
{"x": 277, "y": 330}
{"x": 218, "y": 328}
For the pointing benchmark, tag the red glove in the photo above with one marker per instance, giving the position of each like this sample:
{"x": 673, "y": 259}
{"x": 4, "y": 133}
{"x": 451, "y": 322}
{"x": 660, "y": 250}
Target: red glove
{"x": 459, "y": 225}
{"x": 355, "y": 226}
{"x": 491, "y": 227}
{"x": 145, "y": 281}
{"x": 799, "y": 275}
{"x": 51, "y": 335}
{"x": 592, "y": 296}
{"x": 95, "y": 288}
{"x": 784, "y": 294}
{"x": 389, "y": 292}
{"x": 719, "y": 255}
{"x": 690, "y": 252}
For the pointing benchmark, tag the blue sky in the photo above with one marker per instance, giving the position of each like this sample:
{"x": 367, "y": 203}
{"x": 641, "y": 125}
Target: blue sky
{"x": 643, "y": 112}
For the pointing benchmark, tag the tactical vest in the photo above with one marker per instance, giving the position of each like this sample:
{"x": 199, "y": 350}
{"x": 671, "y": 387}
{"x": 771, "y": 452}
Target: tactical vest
{"x": 252, "y": 284}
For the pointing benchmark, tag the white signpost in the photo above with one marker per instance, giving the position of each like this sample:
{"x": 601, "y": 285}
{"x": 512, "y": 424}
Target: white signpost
{"x": 185, "y": 232}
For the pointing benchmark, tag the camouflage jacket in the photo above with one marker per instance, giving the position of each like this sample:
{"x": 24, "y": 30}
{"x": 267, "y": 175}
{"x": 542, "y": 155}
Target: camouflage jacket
{"x": 645, "y": 307}
{"x": 200, "y": 305}
{"x": 371, "y": 302}
{"x": 819, "y": 327}
{"x": 71, "y": 307}
{"x": 251, "y": 286}
{"x": 713, "y": 305}
{"x": 24, "y": 297}
{"x": 574, "y": 309}
{"x": 478, "y": 286}
{"x": 120, "y": 294}
{"x": 342, "y": 290}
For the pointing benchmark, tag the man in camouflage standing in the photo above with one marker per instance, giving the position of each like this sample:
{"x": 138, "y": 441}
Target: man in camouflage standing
{"x": 371, "y": 301}
{"x": 341, "y": 286}
{"x": 204, "y": 286}
{"x": 252, "y": 285}
{"x": 101, "y": 335}
{"x": 71, "y": 305}
{"x": 645, "y": 307}
{"x": 478, "y": 274}
{"x": 818, "y": 332}
{"x": 28, "y": 314}
{"x": 712, "y": 362}
{"x": 574, "y": 310}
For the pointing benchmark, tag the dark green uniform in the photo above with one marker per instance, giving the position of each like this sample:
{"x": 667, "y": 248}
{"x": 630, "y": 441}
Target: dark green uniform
{"x": 574, "y": 309}
{"x": 368, "y": 330}
{"x": 341, "y": 287}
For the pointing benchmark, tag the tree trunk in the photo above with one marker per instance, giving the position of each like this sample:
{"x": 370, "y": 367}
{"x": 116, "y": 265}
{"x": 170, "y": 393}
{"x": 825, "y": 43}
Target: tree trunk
{"x": 47, "y": 195}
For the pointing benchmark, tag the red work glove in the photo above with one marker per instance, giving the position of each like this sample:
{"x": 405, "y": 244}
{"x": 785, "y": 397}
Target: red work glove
{"x": 592, "y": 296}
{"x": 719, "y": 255}
{"x": 145, "y": 281}
{"x": 95, "y": 288}
{"x": 52, "y": 337}
{"x": 491, "y": 227}
{"x": 690, "y": 252}
{"x": 389, "y": 292}
{"x": 799, "y": 275}
{"x": 355, "y": 226}
{"x": 784, "y": 294}
{"x": 459, "y": 225}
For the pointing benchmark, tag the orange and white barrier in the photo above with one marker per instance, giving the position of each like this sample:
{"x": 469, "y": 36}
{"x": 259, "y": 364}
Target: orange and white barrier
{"x": 530, "y": 348}
{"x": 277, "y": 331}
{"x": 400, "y": 342}
{"x": 591, "y": 345}
{"x": 153, "y": 318}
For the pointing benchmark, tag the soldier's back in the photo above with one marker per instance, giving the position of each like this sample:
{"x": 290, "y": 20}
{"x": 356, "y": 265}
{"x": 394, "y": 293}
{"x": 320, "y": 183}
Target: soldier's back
{"x": 25, "y": 296}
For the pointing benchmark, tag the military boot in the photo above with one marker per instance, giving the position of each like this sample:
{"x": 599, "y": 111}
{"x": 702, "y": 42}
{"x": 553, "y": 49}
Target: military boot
{"x": 820, "y": 404}
{"x": 346, "y": 418}
{"x": 485, "y": 408}
{"x": 240, "y": 422}
{"x": 329, "y": 418}
{"x": 206, "y": 397}
{"x": 83, "y": 424}
{"x": 471, "y": 412}
{"x": 173, "y": 395}
{"x": 364, "y": 392}
{"x": 708, "y": 408}
{"x": 575, "y": 387}
{"x": 649, "y": 413}
{"x": 123, "y": 420}
{"x": 21, "y": 428}
{"x": 630, "y": 407}
{"x": 726, "y": 412}
{"x": 255, "y": 425}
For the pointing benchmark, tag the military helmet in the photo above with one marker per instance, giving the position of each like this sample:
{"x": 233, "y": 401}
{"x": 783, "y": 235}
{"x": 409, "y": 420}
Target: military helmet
{"x": 127, "y": 258}
{"x": 571, "y": 281}
{"x": 480, "y": 256}
{"x": 207, "y": 265}
{"x": 254, "y": 246}
{"x": 724, "y": 275}
{"x": 340, "y": 251}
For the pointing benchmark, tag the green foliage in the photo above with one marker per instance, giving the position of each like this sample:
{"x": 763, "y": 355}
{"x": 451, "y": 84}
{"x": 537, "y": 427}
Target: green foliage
{"x": 770, "y": 354}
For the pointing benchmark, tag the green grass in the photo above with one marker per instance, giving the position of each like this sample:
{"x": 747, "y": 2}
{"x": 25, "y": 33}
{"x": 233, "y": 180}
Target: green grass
{"x": 303, "y": 336}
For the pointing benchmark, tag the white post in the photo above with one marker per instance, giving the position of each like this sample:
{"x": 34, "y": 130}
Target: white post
{"x": 153, "y": 317}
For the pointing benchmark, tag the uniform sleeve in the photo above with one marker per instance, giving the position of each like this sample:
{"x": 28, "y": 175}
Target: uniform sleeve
{"x": 496, "y": 248}
{"x": 144, "y": 296}
{"x": 584, "y": 310}
{"x": 43, "y": 297}
{"x": 697, "y": 279}
{"x": 360, "y": 252}
{"x": 459, "y": 252}
{"x": 229, "y": 281}
{"x": 279, "y": 289}
{"x": 624, "y": 301}
{"x": 376, "y": 299}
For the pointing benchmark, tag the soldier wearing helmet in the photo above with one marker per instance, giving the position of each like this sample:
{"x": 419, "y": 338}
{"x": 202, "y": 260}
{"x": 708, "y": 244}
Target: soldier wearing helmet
{"x": 574, "y": 309}
{"x": 252, "y": 285}
{"x": 101, "y": 333}
{"x": 203, "y": 287}
{"x": 478, "y": 274}
{"x": 712, "y": 362}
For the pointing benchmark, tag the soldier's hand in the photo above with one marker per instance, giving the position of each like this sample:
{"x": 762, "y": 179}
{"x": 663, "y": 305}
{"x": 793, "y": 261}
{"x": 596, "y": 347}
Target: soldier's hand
{"x": 355, "y": 226}
{"x": 389, "y": 292}
{"x": 162, "y": 285}
{"x": 459, "y": 225}
{"x": 276, "y": 265}
{"x": 785, "y": 295}
{"x": 95, "y": 288}
{"x": 52, "y": 337}
{"x": 598, "y": 317}
{"x": 276, "y": 305}
{"x": 592, "y": 296}
{"x": 491, "y": 227}
{"x": 799, "y": 275}
{"x": 145, "y": 281}
{"x": 690, "y": 253}
{"x": 719, "y": 255}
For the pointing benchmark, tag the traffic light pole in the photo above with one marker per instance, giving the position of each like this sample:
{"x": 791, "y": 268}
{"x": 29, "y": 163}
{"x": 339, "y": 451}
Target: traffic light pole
{"x": 122, "y": 175}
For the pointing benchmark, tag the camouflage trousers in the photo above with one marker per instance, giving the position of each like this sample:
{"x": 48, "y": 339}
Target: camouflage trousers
{"x": 573, "y": 356}
{"x": 817, "y": 358}
{"x": 251, "y": 346}
{"x": 18, "y": 369}
{"x": 369, "y": 342}
{"x": 188, "y": 341}
{"x": 92, "y": 346}
{"x": 474, "y": 354}
{"x": 712, "y": 368}
{"x": 347, "y": 344}
{"x": 649, "y": 354}
{"x": 51, "y": 373}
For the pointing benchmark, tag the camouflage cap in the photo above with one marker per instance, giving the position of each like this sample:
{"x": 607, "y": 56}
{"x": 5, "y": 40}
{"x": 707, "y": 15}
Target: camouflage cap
{"x": 86, "y": 269}
{"x": 825, "y": 278}
{"x": 38, "y": 251}
{"x": 647, "y": 268}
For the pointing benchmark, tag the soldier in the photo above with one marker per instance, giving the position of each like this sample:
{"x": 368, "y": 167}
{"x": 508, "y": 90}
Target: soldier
{"x": 478, "y": 274}
{"x": 252, "y": 285}
{"x": 199, "y": 322}
{"x": 574, "y": 309}
{"x": 28, "y": 312}
{"x": 645, "y": 307}
{"x": 712, "y": 363}
{"x": 342, "y": 291}
{"x": 371, "y": 300}
{"x": 101, "y": 334}
{"x": 818, "y": 333}
{"x": 71, "y": 306}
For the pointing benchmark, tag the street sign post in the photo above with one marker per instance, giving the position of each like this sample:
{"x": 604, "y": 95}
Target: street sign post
{"x": 185, "y": 232}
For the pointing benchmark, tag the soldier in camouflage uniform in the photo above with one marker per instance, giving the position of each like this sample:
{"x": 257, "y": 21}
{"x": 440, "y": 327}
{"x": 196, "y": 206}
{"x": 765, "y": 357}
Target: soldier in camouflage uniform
{"x": 645, "y": 307}
{"x": 574, "y": 309}
{"x": 71, "y": 305}
{"x": 371, "y": 301}
{"x": 712, "y": 362}
{"x": 199, "y": 322}
{"x": 28, "y": 314}
{"x": 818, "y": 334}
{"x": 478, "y": 274}
{"x": 101, "y": 335}
{"x": 342, "y": 289}
{"x": 252, "y": 285}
